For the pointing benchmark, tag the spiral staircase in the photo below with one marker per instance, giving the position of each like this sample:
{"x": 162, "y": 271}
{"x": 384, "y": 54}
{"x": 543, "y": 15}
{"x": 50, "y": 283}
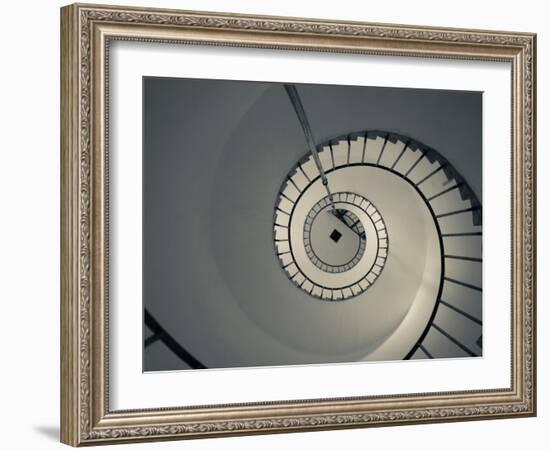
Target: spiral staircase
{"x": 455, "y": 321}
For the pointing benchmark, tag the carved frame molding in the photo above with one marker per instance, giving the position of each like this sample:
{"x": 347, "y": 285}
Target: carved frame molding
{"x": 86, "y": 31}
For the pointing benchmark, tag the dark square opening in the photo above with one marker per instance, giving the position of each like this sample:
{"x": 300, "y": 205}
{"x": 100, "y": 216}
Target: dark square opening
{"x": 335, "y": 235}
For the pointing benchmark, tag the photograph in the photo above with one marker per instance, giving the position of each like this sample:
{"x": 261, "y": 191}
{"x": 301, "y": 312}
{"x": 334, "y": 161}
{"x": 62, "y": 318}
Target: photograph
{"x": 292, "y": 224}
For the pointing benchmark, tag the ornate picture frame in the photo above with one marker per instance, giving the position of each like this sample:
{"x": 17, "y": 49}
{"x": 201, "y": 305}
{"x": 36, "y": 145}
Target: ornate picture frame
{"x": 87, "y": 31}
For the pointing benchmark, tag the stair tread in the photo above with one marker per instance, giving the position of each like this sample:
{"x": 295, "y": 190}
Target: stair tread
{"x": 467, "y": 300}
{"x": 373, "y": 149}
{"x": 463, "y": 246}
{"x": 465, "y": 271}
{"x": 436, "y": 183}
{"x": 356, "y": 150}
{"x": 458, "y": 223}
{"x": 285, "y": 204}
{"x": 440, "y": 346}
{"x": 299, "y": 180}
{"x": 419, "y": 354}
{"x": 423, "y": 169}
{"x": 281, "y": 218}
{"x": 448, "y": 202}
{"x": 392, "y": 150}
{"x": 282, "y": 246}
{"x": 460, "y": 327}
{"x": 407, "y": 160}
{"x": 326, "y": 158}
{"x": 340, "y": 152}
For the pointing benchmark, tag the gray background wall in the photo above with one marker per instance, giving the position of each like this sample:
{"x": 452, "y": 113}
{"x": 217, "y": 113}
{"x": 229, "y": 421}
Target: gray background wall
{"x": 215, "y": 154}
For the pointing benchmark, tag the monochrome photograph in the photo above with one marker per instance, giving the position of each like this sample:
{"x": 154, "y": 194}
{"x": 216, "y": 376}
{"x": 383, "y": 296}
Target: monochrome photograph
{"x": 290, "y": 224}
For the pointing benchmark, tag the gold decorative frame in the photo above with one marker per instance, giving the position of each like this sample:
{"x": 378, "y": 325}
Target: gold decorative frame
{"x": 86, "y": 31}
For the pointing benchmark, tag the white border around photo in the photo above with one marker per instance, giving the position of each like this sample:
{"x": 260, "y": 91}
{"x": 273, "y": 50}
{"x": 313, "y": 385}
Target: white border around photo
{"x": 130, "y": 388}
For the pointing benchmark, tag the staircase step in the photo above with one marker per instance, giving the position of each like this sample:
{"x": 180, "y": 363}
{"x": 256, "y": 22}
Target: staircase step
{"x": 463, "y": 329}
{"x": 470, "y": 246}
{"x": 310, "y": 169}
{"x": 299, "y": 278}
{"x": 340, "y": 153}
{"x": 466, "y": 299}
{"x": 458, "y": 223}
{"x": 286, "y": 258}
{"x": 285, "y": 204}
{"x": 281, "y": 218}
{"x": 436, "y": 183}
{"x": 282, "y": 246}
{"x": 392, "y": 150}
{"x": 281, "y": 233}
{"x": 291, "y": 191}
{"x": 356, "y": 150}
{"x": 373, "y": 148}
{"x": 325, "y": 155}
{"x": 299, "y": 180}
{"x": 407, "y": 160}
{"x": 448, "y": 202}
{"x": 468, "y": 272}
{"x": 441, "y": 346}
{"x": 423, "y": 169}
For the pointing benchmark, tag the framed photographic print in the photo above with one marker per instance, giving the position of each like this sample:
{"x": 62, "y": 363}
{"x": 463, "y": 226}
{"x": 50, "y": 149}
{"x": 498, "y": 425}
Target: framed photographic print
{"x": 275, "y": 224}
